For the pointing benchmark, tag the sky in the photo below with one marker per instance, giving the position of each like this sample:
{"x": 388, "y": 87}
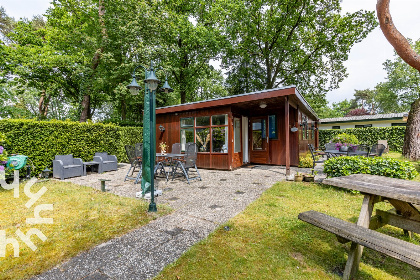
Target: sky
{"x": 365, "y": 60}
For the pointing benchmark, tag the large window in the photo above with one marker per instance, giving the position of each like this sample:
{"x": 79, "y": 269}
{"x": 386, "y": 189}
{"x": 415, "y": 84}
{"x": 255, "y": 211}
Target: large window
{"x": 187, "y": 132}
{"x": 219, "y": 133}
{"x": 210, "y": 133}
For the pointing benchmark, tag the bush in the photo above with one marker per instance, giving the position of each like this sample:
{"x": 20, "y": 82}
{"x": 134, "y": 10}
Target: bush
{"x": 343, "y": 166}
{"x": 42, "y": 140}
{"x": 345, "y": 138}
{"x": 306, "y": 161}
{"x": 369, "y": 135}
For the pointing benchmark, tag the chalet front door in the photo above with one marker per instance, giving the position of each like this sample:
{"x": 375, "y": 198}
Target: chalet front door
{"x": 259, "y": 145}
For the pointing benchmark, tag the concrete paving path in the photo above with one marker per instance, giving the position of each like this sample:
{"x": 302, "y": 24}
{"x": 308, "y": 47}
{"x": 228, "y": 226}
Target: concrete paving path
{"x": 199, "y": 207}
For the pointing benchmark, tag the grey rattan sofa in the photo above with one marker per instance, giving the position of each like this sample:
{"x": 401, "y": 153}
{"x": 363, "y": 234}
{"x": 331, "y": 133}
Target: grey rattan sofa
{"x": 65, "y": 166}
{"x": 106, "y": 162}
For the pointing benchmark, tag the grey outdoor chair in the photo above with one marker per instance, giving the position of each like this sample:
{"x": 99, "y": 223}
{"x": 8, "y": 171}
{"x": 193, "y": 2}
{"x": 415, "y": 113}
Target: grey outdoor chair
{"x": 176, "y": 148}
{"x": 360, "y": 150}
{"x": 65, "y": 166}
{"x": 377, "y": 150}
{"x": 135, "y": 160}
{"x": 316, "y": 156}
{"x": 106, "y": 162}
{"x": 185, "y": 165}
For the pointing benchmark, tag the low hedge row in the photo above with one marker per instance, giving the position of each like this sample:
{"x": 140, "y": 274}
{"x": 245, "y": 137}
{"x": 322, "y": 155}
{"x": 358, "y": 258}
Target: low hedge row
{"x": 369, "y": 135}
{"x": 389, "y": 167}
{"x": 42, "y": 140}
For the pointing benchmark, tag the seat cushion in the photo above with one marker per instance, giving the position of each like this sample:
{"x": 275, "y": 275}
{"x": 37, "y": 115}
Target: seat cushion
{"x": 109, "y": 161}
{"x": 71, "y": 166}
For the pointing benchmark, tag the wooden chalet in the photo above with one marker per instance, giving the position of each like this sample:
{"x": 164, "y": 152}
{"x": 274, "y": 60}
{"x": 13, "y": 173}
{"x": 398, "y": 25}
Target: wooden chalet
{"x": 266, "y": 127}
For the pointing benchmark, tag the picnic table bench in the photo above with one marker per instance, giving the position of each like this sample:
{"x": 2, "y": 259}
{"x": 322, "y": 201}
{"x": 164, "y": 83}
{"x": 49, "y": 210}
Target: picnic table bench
{"x": 403, "y": 195}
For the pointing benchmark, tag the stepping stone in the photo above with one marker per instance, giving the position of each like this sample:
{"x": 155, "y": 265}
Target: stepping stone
{"x": 174, "y": 232}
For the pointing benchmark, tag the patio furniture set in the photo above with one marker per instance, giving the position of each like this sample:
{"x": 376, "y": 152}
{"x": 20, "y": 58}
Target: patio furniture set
{"x": 65, "y": 166}
{"x": 331, "y": 151}
{"x": 173, "y": 164}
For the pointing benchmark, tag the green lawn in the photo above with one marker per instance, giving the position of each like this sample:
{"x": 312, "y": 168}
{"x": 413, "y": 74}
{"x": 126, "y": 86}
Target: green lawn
{"x": 82, "y": 218}
{"x": 267, "y": 241}
{"x": 399, "y": 156}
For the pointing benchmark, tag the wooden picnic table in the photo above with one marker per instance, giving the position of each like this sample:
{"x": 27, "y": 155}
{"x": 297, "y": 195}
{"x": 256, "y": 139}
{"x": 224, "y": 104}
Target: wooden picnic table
{"x": 403, "y": 195}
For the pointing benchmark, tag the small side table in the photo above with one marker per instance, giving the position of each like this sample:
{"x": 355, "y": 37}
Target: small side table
{"x": 89, "y": 163}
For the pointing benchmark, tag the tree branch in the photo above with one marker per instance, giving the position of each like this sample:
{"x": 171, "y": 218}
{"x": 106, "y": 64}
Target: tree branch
{"x": 394, "y": 37}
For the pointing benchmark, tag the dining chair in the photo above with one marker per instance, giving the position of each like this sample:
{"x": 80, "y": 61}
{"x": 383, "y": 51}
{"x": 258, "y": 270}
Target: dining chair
{"x": 176, "y": 148}
{"x": 134, "y": 161}
{"x": 377, "y": 150}
{"x": 187, "y": 163}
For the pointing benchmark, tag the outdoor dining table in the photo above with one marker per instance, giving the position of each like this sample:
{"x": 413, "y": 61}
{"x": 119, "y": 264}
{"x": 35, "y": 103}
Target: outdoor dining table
{"x": 403, "y": 195}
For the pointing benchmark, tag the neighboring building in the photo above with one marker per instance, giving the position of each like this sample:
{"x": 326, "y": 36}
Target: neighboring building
{"x": 266, "y": 127}
{"x": 379, "y": 120}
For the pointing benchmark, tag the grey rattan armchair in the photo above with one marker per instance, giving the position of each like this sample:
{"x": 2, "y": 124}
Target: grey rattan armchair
{"x": 65, "y": 166}
{"x": 106, "y": 162}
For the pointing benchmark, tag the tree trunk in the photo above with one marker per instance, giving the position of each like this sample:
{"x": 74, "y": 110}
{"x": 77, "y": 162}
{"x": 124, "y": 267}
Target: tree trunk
{"x": 85, "y": 114}
{"x": 44, "y": 102}
{"x": 411, "y": 149}
{"x": 123, "y": 110}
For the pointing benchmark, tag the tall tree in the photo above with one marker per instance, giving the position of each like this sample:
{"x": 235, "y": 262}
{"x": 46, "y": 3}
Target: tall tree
{"x": 301, "y": 43}
{"x": 411, "y": 148}
{"x": 189, "y": 38}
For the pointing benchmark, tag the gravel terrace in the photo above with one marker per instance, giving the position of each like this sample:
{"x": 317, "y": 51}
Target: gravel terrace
{"x": 199, "y": 209}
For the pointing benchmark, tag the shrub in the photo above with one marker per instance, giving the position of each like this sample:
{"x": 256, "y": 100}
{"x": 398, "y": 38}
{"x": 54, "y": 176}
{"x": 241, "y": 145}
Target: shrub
{"x": 343, "y": 166}
{"x": 306, "y": 161}
{"x": 42, "y": 140}
{"x": 369, "y": 135}
{"x": 345, "y": 138}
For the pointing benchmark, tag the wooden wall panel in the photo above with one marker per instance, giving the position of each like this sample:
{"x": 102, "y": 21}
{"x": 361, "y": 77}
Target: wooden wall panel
{"x": 219, "y": 161}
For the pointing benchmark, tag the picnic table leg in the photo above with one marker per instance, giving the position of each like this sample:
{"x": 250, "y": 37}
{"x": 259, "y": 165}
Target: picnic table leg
{"x": 356, "y": 250}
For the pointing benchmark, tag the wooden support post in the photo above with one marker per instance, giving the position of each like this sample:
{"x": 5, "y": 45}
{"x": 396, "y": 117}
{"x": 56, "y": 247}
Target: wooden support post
{"x": 356, "y": 250}
{"x": 287, "y": 130}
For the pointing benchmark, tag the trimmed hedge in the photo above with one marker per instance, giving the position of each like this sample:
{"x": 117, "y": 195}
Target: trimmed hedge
{"x": 369, "y": 135}
{"x": 42, "y": 140}
{"x": 389, "y": 167}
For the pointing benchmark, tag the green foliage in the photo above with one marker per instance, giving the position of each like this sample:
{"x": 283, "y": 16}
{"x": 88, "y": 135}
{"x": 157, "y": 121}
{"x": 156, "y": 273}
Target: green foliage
{"x": 3, "y": 154}
{"x": 345, "y": 138}
{"x": 283, "y": 41}
{"x": 343, "y": 166}
{"x": 306, "y": 161}
{"x": 369, "y": 135}
{"x": 42, "y": 140}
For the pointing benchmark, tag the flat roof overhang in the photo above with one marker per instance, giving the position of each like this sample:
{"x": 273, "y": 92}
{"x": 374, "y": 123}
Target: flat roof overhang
{"x": 247, "y": 99}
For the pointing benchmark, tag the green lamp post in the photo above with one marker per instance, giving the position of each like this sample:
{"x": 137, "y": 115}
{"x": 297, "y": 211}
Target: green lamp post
{"x": 149, "y": 128}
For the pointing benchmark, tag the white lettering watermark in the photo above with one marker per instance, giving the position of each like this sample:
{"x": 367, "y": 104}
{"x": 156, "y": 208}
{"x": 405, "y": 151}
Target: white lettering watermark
{"x": 36, "y": 220}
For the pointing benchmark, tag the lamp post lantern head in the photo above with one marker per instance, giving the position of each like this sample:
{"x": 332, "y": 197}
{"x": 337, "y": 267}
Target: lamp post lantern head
{"x": 151, "y": 80}
{"x": 166, "y": 87}
{"x": 134, "y": 86}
